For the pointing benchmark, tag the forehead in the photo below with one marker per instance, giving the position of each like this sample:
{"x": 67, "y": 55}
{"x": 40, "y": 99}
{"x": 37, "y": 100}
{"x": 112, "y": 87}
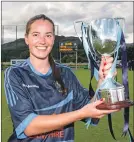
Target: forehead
{"x": 41, "y": 25}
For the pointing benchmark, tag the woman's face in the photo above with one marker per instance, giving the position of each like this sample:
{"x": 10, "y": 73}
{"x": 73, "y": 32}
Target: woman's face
{"x": 40, "y": 39}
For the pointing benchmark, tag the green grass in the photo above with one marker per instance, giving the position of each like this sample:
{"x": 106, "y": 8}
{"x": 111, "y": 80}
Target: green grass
{"x": 99, "y": 133}
{"x": 6, "y": 121}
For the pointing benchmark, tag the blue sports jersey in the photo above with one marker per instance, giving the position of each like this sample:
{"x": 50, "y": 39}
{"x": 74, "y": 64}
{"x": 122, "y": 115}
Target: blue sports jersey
{"x": 30, "y": 93}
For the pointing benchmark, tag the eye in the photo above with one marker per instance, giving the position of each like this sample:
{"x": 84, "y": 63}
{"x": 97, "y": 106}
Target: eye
{"x": 35, "y": 35}
{"x": 49, "y": 35}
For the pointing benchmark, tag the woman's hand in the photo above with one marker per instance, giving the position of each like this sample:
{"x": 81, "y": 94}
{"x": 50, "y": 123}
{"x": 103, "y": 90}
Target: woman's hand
{"x": 90, "y": 110}
{"x": 105, "y": 65}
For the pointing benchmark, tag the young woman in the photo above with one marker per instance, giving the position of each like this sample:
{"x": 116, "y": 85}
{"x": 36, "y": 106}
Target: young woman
{"x": 45, "y": 98}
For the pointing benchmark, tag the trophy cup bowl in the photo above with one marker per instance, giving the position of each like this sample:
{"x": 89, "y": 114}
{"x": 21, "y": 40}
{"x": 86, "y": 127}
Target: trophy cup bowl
{"x": 103, "y": 34}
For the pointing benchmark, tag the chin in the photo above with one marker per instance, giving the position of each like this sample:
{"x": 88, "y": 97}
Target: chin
{"x": 42, "y": 58}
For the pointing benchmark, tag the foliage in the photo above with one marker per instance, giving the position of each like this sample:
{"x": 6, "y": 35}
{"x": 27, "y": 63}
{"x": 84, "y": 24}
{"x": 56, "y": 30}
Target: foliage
{"x": 19, "y": 50}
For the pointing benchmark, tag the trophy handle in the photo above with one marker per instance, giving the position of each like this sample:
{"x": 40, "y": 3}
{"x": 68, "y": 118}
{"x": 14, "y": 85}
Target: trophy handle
{"x": 123, "y": 23}
{"x": 90, "y": 37}
{"x": 76, "y": 30}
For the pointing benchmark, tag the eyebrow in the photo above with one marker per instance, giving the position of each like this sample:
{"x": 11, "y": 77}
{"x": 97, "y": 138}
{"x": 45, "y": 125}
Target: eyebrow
{"x": 39, "y": 32}
{"x": 49, "y": 32}
{"x": 34, "y": 32}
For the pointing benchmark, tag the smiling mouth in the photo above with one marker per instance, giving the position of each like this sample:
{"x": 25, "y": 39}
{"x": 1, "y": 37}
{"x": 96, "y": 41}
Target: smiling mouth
{"x": 41, "y": 47}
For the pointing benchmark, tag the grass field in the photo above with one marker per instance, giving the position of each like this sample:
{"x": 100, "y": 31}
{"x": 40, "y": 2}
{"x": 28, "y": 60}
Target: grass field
{"x": 99, "y": 133}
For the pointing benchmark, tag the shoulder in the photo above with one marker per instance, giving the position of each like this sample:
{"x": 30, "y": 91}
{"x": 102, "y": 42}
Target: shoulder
{"x": 65, "y": 70}
{"x": 12, "y": 70}
{"x": 63, "y": 67}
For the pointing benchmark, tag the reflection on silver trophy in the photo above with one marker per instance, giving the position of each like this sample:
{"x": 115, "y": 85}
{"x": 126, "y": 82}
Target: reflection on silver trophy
{"x": 102, "y": 37}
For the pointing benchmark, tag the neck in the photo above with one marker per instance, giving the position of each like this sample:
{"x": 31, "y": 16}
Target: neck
{"x": 40, "y": 65}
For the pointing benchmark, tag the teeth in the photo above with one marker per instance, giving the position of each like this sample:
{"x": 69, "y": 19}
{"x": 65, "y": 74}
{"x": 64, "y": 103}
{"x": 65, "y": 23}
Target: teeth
{"x": 41, "y": 47}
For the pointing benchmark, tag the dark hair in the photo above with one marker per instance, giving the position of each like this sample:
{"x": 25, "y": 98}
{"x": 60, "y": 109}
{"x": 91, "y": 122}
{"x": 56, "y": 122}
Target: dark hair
{"x": 55, "y": 70}
{"x": 37, "y": 17}
{"x": 56, "y": 74}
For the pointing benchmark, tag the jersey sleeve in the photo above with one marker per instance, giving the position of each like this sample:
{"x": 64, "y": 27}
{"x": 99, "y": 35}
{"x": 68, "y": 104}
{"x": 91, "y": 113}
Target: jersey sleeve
{"x": 81, "y": 98}
{"x": 19, "y": 104}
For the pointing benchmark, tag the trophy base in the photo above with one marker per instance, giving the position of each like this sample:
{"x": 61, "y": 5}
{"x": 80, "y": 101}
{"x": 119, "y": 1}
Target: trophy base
{"x": 117, "y": 105}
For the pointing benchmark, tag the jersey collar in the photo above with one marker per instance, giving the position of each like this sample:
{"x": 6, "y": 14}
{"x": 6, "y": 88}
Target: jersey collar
{"x": 36, "y": 72}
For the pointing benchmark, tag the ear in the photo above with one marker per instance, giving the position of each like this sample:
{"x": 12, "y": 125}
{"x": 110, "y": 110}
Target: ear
{"x": 26, "y": 39}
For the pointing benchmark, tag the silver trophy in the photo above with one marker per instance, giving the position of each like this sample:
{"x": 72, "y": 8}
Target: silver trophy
{"x": 102, "y": 37}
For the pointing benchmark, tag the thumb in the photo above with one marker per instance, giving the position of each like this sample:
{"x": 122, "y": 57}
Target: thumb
{"x": 102, "y": 63}
{"x": 98, "y": 102}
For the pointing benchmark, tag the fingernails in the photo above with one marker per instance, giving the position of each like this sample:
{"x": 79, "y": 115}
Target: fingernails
{"x": 105, "y": 63}
{"x": 101, "y": 99}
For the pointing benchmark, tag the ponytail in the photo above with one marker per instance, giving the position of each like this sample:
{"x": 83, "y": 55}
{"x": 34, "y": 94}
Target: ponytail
{"x": 56, "y": 75}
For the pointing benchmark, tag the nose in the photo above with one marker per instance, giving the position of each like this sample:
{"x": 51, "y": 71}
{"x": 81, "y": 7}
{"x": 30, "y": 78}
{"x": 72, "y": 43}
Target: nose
{"x": 42, "y": 40}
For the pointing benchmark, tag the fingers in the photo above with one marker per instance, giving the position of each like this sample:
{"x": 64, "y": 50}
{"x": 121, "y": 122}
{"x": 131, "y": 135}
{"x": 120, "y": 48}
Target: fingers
{"x": 98, "y": 102}
{"x": 109, "y": 111}
{"x": 90, "y": 110}
{"x": 101, "y": 70}
{"x": 105, "y": 73}
{"x": 102, "y": 113}
{"x": 107, "y": 61}
{"x": 100, "y": 116}
{"x": 105, "y": 65}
